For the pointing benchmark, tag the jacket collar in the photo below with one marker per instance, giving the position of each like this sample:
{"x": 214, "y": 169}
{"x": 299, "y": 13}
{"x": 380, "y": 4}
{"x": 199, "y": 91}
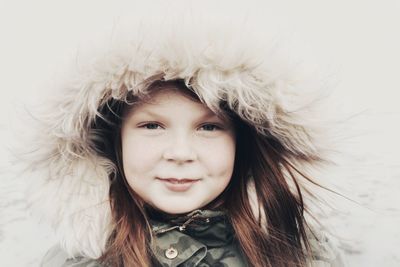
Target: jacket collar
{"x": 210, "y": 227}
{"x": 190, "y": 237}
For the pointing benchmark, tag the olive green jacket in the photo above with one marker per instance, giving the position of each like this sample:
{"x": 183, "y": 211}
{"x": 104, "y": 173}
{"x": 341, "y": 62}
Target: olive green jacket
{"x": 201, "y": 238}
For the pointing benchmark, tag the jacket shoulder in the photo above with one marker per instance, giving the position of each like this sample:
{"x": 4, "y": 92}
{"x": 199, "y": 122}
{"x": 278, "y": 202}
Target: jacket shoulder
{"x": 57, "y": 257}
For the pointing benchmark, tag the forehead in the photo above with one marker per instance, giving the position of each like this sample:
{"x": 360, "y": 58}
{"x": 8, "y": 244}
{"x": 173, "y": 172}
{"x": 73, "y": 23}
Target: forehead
{"x": 168, "y": 99}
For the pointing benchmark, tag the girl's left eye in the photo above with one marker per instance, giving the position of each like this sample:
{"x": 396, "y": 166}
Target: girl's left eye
{"x": 210, "y": 127}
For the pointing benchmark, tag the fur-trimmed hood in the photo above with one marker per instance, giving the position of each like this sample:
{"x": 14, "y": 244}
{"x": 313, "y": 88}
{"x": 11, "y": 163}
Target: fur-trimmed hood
{"x": 219, "y": 60}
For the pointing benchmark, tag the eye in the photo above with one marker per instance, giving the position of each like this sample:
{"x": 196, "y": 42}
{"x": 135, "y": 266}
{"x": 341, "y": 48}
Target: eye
{"x": 151, "y": 126}
{"x": 210, "y": 127}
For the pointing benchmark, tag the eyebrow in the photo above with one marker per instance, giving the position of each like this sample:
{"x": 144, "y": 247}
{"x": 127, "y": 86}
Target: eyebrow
{"x": 206, "y": 115}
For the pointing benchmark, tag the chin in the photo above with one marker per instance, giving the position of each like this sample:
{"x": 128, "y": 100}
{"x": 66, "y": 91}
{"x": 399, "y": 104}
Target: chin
{"x": 174, "y": 210}
{"x": 177, "y": 211}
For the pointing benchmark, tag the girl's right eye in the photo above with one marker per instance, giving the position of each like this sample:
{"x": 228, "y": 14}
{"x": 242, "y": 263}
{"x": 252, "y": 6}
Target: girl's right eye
{"x": 151, "y": 126}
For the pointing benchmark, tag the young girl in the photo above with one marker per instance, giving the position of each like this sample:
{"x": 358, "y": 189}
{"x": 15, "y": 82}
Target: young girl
{"x": 180, "y": 148}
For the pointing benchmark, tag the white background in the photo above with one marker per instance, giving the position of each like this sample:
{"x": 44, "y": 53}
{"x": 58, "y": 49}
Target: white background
{"x": 358, "y": 40}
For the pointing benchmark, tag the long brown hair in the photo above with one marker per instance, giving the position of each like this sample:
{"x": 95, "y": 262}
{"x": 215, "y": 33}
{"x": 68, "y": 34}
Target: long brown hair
{"x": 276, "y": 236}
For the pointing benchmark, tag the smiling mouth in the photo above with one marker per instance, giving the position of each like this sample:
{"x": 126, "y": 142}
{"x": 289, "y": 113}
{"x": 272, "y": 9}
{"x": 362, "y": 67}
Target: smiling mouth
{"x": 178, "y": 181}
{"x": 178, "y": 185}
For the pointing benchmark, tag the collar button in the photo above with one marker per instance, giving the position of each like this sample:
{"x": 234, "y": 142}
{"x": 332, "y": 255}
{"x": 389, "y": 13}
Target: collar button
{"x": 171, "y": 253}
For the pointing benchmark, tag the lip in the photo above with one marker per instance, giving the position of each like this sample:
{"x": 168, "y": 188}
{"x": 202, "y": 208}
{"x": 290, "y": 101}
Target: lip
{"x": 178, "y": 185}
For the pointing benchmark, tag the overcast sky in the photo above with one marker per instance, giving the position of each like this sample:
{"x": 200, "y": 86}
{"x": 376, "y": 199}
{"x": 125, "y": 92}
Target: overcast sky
{"x": 359, "y": 38}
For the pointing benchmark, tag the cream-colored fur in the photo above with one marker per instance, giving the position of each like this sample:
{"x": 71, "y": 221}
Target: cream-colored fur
{"x": 221, "y": 59}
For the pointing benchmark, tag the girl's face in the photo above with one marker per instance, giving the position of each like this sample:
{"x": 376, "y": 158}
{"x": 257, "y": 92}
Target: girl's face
{"x": 178, "y": 156}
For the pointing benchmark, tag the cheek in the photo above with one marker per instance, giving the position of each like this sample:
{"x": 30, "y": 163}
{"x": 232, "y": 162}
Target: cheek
{"x": 138, "y": 156}
{"x": 220, "y": 157}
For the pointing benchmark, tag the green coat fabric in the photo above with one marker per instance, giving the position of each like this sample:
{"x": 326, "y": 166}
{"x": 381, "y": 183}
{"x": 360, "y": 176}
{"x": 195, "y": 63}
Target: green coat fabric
{"x": 202, "y": 238}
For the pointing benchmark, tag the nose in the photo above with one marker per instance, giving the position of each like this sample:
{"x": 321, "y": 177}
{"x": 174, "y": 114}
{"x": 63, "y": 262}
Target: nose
{"x": 180, "y": 149}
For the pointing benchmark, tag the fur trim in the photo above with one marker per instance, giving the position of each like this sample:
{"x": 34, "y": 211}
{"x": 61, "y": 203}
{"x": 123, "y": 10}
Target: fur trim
{"x": 220, "y": 60}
